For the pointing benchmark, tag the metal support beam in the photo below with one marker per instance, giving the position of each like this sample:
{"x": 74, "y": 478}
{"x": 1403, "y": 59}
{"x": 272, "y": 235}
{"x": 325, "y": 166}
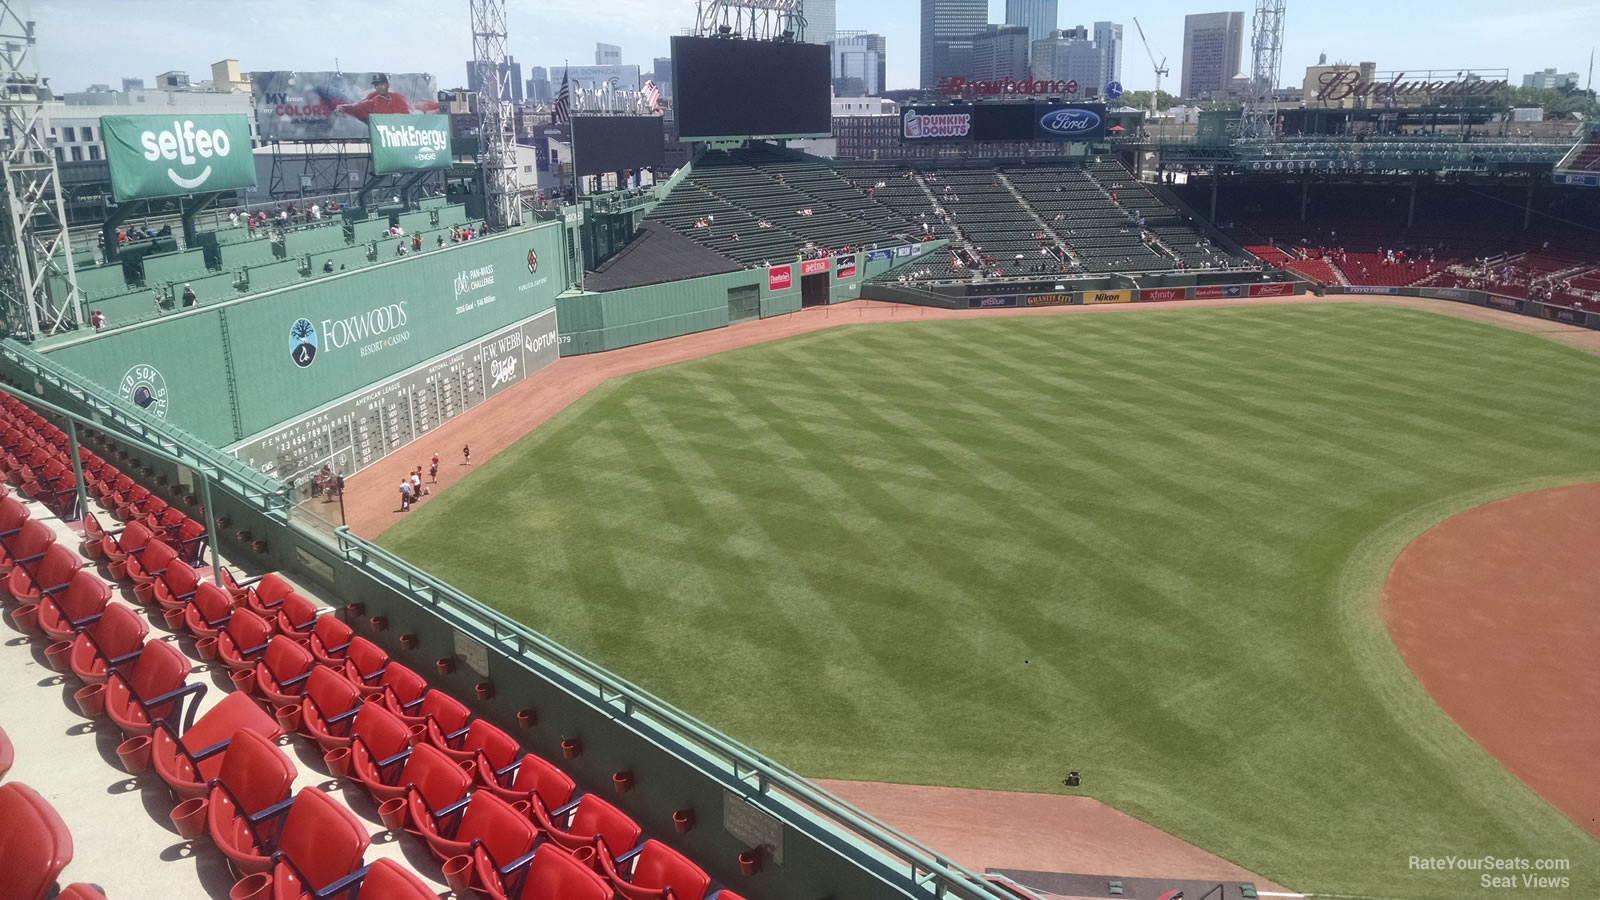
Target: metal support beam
{"x": 1411, "y": 205}
{"x": 210, "y": 512}
{"x": 77, "y": 468}
{"x": 201, "y": 201}
{"x": 497, "y": 139}
{"x": 1216, "y": 178}
{"x": 1305, "y": 198}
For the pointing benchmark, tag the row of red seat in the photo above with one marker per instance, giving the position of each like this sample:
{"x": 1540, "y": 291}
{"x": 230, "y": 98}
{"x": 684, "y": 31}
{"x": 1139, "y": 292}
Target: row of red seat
{"x": 35, "y": 845}
{"x": 502, "y": 821}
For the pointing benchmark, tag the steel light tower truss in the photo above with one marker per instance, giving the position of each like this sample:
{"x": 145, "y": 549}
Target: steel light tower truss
{"x": 1259, "y": 119}
{"x": 33, "y": 232}
{"x": 757, "y": 20}
{"x": 497, "y": 138}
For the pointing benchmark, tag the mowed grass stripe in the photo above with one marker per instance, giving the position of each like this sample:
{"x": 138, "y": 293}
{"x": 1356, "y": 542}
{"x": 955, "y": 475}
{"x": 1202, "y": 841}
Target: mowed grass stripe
{"x": 982, "y": 552}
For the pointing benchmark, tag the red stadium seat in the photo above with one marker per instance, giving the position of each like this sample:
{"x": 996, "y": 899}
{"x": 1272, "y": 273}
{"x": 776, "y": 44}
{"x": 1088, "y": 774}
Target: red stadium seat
{"x": 654, "y": 872}
{"x": 254, "y": 775}
{"x": 265, "y": 594}
{"x": 191, "y": 539}
{"x": 549, "y": 874}
{"x": 328, "y": 708}
{"x": 12, "y": 514}
{"x": 330, "y": 639}
{"x": 481, "y": 740}
{"x": 282, "y": 671}
{"x": 34, "y": 844}
{"x": 364, "y": 665}
{"x": 320, "y": 839}
{"x": 445, "y": 716}
{"x": 151, "y": 688}
{"x": 482, "y": 817}
{"x": 241, "y": 644}
{"x": 404, "y": 691}
{"x": 176, "y": 584}
{"x": 120, "y": 545}
{"x": 584, "y": 820}
{"x": 115, "y": 639}
{"x": 296, "y": 617}
{"x": 433, "y": 782}
{"x": 81, "y": 892}
{"x": 386, "y": 880}
{"x": 148, "y": 564}
{"x": 189, "y": 761}
{"x": 62, "y": 613}
{"x": 129, "y": 503}
{"x": 529, "y": 775}
{"x": 27, "y": 547}
{"x": 108, "y": 489}
{"x": 208, "y": 611}
{"x": 93, "y": 536}
{"x": 379, "y": 748}
{"x": 53, "y": 572}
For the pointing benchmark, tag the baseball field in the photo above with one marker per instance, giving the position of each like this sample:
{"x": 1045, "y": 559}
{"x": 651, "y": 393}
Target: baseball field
{"x": 982, "y": 553}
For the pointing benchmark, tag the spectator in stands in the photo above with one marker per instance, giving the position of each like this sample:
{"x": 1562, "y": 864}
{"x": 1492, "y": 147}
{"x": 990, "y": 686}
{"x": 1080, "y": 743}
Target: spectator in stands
{"x": 441, "y": 241}
{"x": 400, "y": 249}
{"x": 252, "y": 224}
{"x": 98, "y": 320}
{"x": 233, "y": 219}
{"x": 327, "y": 266}
{"x": 188, "y": 296}
{"x": 416, "y": 242}
{"x": 316, "y": 212}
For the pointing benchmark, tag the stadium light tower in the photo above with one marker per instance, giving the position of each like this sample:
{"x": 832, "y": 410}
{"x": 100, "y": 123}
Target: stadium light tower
{"x": 33, "y": 232}
{"x": 1258, "y": 121}
{"x": 757, "y": 20}
{"x": 497, "y": 124}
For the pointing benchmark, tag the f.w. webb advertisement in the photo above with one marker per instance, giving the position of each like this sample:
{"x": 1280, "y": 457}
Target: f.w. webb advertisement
{"x": 322, "y": 106}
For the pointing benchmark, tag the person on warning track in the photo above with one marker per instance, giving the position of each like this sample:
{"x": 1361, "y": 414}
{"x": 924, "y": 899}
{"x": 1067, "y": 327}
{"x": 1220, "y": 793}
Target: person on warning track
{"x": 380, "y": 101}
{"x": 433, "y": 470}
{"x": 466, "y": 454}
{"x": 405, "y": 495}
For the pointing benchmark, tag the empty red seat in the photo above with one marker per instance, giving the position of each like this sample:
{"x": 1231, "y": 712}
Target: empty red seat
{"x": 51, "y": 573}
{"x": 151, "y": 687}
{"x": 653, "y": 872}
{"x": 330, "y": 638}
{"x": 433, "y": 782}
{"x": 107, "y": 489}
{"x": 176, "y": 585}
{"x": 364, "y": 665}
{"x": 328, "y": 708}
{"x": 482, "y": 742}
{"x": 254, "y": 775}
{"x": 296, "y": 617}
{"x": 34, "y": 844}
{"x": 63, "y": 612}
{"x": 580, "y": 822}
{"x": 549, "y": 874}
{"x": 13, "y": 513}
{"x": 130, "y": 502}
{"x": 321, "y": 841}
{"x": 385, "y": 879}
{"x": 27, "y": 547}
{"x": 119, "y": 546}
{"x": 187, "y": 760}
{"x": 379, "y": 748}
{"x": 93, "y": 535}
{"x": 266, "y": 594}
{"x": 403, "y": 691}
{"x": 529, "y": 775}
{"x": 208, "y": 611}
{"x": 484, "y": 820}
{"x": 116, "y": 638}
{"x": 81, "y": 891}
{"x": 242, "y": 642}
{"x": 148, "y": 564}
{"x": 191, "y": 540}
{"x": 445, "y": 716}
{"x": 282, "y": 671}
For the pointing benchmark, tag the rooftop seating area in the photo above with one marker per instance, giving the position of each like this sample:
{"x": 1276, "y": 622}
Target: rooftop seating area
{"x": 299, "y": 753}
{"x": 1585, "y": 157}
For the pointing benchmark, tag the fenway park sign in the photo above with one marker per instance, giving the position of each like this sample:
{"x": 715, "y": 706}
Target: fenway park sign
{"x": 956, "y": 86}
{"x": 1345, "y": 84}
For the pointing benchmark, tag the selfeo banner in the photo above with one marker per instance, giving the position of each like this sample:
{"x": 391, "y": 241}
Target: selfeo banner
{"x": 167, "y": 156}
{"x": 409, "y": 143}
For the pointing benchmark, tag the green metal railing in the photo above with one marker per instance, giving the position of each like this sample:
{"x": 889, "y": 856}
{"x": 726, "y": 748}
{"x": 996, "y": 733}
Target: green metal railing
{"x": 918, "y": 870}
{"x": 249, "y": 483}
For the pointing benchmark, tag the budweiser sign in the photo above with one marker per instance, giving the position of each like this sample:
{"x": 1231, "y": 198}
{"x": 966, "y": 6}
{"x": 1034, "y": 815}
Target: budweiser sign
{"x": 1347, "y": 83}
{"x": 956, "y": 86}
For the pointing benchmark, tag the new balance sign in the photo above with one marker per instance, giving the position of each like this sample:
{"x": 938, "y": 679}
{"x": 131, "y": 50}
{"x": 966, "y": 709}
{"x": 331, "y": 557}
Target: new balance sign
{"x": 160, "y": 156}
{"x": 409, "y": 143}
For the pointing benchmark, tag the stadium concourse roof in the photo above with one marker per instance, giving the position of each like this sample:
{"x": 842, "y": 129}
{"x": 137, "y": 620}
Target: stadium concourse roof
{"x": 657, "y": 254}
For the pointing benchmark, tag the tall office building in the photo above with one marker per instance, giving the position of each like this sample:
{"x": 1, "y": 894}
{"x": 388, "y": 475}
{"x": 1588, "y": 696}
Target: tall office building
{"x": 1108, "y": 37}
{"x": 859, "y": 57}
{"x": 822, "y": 20}
{"x": 510, "y": 76}
{"x": 1551, "y": 80}
{"x": 947, "y": 30}
{"x": 662, "y": 73}
{"x": 1038, "y": 15}
{"x": 607, "y": 55}
{"x": 1068, "y": 55}
{"x": 1000, "y": 52}
{"x": 1213, "y": 45}
{"x": 539, "y": 85}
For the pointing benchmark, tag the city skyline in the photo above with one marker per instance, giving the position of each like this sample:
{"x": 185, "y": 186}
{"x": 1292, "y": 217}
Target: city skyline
{"x": 1470, "y": 33}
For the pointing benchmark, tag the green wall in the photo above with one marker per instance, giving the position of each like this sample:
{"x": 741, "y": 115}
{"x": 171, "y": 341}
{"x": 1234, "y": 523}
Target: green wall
{"x": 593, "y": 322}
{"x": 227, "y": 369}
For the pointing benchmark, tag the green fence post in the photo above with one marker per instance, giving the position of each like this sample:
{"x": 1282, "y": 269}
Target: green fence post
{"x": 211, "y": 525}
{"x": 77, "y": 468}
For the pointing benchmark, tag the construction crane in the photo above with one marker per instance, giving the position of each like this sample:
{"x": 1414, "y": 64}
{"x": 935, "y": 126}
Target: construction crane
{"x": 1160, "y": 67}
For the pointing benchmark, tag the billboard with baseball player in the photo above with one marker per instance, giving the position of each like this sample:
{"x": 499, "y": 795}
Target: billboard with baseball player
{"x": 331, "y": 106}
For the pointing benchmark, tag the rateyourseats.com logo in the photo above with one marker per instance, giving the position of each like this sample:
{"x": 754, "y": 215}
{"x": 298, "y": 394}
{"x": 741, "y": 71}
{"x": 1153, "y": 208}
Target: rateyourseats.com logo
{"x": 187, "y": 146}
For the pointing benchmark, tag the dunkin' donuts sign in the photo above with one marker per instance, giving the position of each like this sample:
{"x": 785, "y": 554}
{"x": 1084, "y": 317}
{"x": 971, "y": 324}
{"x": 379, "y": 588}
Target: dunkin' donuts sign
{"x": 916, "y": 125}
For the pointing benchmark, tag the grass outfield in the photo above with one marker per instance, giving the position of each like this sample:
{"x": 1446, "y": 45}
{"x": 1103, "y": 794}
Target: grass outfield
{"x": 979, "y": 553}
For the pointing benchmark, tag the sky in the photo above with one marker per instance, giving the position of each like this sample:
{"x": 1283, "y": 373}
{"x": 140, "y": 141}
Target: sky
{"x": 84, "y": 42}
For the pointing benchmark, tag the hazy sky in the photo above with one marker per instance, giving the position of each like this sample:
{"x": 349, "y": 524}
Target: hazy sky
{"x": 89, "y": 41}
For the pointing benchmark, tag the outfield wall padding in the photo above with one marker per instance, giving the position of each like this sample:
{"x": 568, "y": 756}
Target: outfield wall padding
{"x": 226, "y": 368}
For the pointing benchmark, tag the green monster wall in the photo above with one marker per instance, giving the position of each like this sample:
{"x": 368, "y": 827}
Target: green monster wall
{"x": 234, "y": 369}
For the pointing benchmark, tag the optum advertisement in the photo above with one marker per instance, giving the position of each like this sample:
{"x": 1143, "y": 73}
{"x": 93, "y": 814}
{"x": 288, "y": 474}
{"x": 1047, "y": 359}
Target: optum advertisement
{"x": 168, "y": 156}
{"x": 409, "y": 143}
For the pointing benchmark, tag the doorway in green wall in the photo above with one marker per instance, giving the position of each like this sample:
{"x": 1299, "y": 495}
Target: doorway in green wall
{"x": 744, "y": 303}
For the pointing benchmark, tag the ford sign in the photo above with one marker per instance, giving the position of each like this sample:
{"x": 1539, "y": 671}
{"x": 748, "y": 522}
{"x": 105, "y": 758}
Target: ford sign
{"x": 1071, "y": 123}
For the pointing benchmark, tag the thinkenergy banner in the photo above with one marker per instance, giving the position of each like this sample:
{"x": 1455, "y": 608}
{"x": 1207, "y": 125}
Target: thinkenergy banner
{"x": 409, "y": 143}
{"x": 168, "y": 156}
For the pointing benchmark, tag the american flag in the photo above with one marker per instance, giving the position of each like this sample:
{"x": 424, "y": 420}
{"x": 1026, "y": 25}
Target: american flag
{"x": 562, "y": 113}
{"x": 652, "y": 94}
